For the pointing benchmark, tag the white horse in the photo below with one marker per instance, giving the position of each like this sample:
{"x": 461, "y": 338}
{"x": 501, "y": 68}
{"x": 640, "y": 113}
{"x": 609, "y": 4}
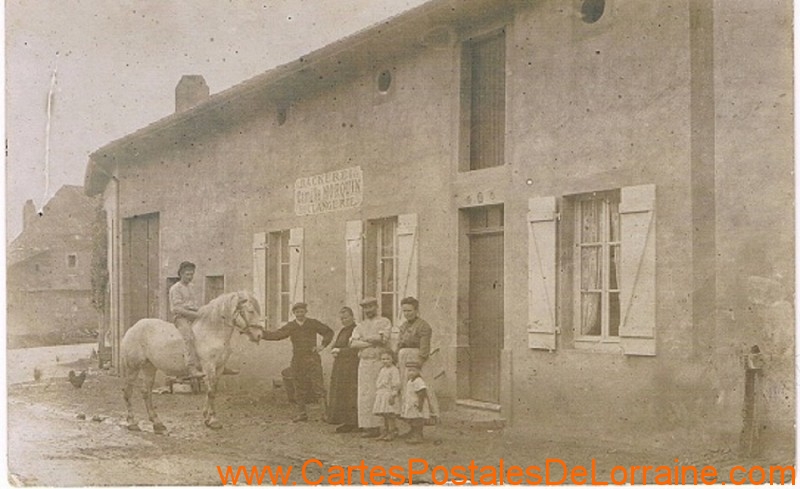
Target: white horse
{"x": 153, "y": 344}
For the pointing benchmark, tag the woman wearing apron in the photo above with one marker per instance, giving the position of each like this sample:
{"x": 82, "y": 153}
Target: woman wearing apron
{"x": 414, "y": 345}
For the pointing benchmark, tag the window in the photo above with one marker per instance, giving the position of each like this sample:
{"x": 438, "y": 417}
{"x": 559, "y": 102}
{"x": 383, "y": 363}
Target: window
{"x": 592, "y": 10}
{"x": 597, "y": 267}
{"x": 277, "y": 272}
{"x": 280, "y": 245}
{"x": 380, "y": 266}
{"x": 593, "y": 255}
{"x": 72, "y": 260}
{"x": 484, "y": 99}
{"x": 214, "y": 287}
{"x": 381, "y": 261}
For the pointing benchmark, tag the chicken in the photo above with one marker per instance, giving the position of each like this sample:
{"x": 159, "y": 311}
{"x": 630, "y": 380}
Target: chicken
{"x": 77, "y": 380}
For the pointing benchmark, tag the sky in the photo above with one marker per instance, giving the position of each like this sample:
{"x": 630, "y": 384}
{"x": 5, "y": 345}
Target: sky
{"x": 112, "y": 67}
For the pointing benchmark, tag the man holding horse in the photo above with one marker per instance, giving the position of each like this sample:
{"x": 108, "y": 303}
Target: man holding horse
{"x": 306, "y": 363}
{"x": 184, "y": 303}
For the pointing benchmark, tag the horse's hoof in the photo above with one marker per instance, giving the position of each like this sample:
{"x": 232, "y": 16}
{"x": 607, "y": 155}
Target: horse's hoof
{"x": 159, "y": 429}
{"x": 134, "y": 427}
{"x": 214, "y": 425}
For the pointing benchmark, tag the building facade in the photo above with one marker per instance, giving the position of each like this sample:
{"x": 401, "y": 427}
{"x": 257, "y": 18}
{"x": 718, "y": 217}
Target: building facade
{"x": 573, "y": 190}
{"x": 49, "y": 273}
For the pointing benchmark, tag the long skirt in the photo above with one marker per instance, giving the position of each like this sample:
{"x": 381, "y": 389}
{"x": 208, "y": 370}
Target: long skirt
{"x": 343, "y": 391}
{"x": 409, "y": 355}
{"x": 368, "y": 370}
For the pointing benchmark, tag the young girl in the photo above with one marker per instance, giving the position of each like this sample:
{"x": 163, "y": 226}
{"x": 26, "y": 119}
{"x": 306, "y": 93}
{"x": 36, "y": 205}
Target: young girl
{"x": 387, "y": 396}
{"x": 416, "y": 405}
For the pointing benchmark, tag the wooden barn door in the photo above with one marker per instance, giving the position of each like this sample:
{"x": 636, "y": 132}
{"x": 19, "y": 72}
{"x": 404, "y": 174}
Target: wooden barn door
{"x": 140, "y": 268}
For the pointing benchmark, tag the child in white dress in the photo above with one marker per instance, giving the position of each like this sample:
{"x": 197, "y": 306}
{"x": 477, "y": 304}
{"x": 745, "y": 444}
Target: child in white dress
{"x": 387, "y": 396}
{"x": 416, "y": 405}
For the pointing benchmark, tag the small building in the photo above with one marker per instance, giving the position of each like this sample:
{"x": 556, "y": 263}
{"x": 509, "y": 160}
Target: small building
{"x": 591, "y": 199}
{"x": 49, "y": 272}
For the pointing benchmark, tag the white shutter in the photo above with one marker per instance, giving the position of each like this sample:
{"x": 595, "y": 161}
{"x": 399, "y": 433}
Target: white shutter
{"x": 296, "y": 283}
{"x": 353, "y": 267}
{"x": 542, "y": 273}
{"x": 638, "y": 270}
{"x": 260, "y": 269}
{"x": 407, "y": 252}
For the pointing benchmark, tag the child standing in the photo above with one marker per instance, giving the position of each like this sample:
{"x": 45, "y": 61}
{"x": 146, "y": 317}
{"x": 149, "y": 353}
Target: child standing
{"x": 416, "y": 405}
{"x": 387, "y": 396}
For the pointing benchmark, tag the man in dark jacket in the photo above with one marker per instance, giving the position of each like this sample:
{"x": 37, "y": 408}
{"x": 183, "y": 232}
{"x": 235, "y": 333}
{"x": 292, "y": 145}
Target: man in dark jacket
{"x": 306, "y": 364}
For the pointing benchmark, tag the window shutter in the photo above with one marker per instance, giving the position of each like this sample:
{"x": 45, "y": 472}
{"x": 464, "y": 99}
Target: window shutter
{"x": 354, "y": 262}
{"x": 542, "y": 273}
{"x": 295, "y": 266}
{"x": 638, "y": 270}
{"x": 407, "y": 251}
{"x": 260, "y": 269}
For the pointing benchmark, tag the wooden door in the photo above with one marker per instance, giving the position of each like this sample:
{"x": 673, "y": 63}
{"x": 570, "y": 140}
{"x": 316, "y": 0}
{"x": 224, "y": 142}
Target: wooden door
{"x": 485, "y": 311}
{"x": 140, "y": 261}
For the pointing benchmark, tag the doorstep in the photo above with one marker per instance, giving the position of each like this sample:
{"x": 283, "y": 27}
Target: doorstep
{"x": 469, "y": 413}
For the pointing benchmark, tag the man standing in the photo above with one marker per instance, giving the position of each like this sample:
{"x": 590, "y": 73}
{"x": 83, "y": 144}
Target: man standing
{"x": 184, "y": 302}
{"x": 306, "y": 364}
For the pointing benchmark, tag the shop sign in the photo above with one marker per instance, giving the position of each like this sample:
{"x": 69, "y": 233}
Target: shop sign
{"x": 328, "y": 192}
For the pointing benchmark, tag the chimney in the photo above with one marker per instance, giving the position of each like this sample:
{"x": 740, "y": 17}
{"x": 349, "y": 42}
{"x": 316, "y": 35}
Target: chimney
{"x": 28, "y": 214}
{"x": 191, "y": 90}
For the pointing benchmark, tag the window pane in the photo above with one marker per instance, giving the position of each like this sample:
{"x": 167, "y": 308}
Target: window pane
{"x": 613, "y": 268}
{"x": 284, "y": 246}
{"x": 494, "y": 218}
{"x": 387, "y": 303}
{"x": 387, "y": 275}
{"x": 487, "y": 102}
{"x": 284, "y": 278}
{"x": 387, "y": 238}
{"x": 590, "y": 314}
{"x": 613, "y": 314}
{"x": 284, "y": 307}
{"x": 477, "y": 219}
{"x": 613, "y": 218}
{"x": 591, "y": 211}
{"x": 591, "y": 269}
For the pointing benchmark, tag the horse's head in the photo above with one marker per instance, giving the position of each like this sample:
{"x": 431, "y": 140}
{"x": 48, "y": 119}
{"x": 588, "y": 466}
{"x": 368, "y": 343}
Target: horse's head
{"x": 247, "y": 317}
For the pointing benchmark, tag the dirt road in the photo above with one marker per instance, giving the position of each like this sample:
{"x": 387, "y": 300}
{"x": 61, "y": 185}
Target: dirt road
{"x": 60, "y": 435}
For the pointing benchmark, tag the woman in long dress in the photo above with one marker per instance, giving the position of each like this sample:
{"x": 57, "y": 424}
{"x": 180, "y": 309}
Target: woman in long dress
{"x": 369, "y": 338}
{"x": 414, "y": 346}
{"x": 343, "y": 392}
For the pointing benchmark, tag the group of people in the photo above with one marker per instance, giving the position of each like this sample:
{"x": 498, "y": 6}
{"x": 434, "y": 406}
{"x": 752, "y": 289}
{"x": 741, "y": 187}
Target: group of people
{"x": 376, "y": 376}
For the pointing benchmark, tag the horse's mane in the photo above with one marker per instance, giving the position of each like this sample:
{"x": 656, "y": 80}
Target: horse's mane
{"x": 224, "y": 305}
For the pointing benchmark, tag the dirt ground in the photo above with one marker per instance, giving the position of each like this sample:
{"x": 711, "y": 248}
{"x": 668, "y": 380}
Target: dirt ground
{"x": 63, "y": 436}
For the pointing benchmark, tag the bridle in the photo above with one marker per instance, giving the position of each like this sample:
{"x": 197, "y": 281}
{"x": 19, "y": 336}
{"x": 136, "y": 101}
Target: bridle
{"x": 238, "y": 312}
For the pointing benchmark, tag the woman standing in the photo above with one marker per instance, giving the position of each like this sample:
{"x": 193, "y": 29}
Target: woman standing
{"x": 369, "y": 338}
{"x": 343, "y": 401}
{"x": 414, "y": 347}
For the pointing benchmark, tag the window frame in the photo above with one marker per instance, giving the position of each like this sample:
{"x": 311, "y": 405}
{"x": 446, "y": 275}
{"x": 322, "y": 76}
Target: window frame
{"x": 374, "y": 261}
{"x": 604, "y": 341}
{"x": 277, "y": 266}
{"x": 468, "y": 51}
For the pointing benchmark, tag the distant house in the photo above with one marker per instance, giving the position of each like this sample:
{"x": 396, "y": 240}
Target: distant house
{"x": 591, "y": 199}
{"x": 49, "y": 272}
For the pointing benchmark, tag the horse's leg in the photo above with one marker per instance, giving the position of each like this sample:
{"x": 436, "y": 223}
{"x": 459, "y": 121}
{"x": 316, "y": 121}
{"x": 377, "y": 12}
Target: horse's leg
{"x": 131, "y": 374}
{"x": 210, "y": 413}
{"x": 149, "y": 371}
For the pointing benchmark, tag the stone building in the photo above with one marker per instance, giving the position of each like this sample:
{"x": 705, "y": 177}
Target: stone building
{"x": 49, "y": 272}
{"x": 586, "y": 196}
